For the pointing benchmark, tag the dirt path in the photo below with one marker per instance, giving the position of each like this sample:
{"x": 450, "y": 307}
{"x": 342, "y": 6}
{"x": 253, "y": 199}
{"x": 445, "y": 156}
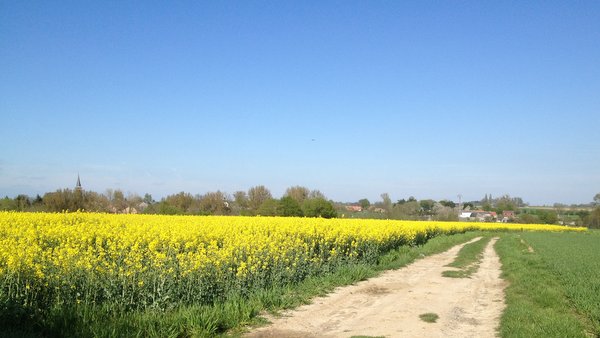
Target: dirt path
{"x": 390, "y": 304}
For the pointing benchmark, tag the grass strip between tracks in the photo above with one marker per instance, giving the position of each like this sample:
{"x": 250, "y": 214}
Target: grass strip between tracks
{"x": 468, "y": 259}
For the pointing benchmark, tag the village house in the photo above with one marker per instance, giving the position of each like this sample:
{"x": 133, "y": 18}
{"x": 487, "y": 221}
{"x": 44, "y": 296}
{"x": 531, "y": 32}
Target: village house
{"x": 478, "y": 215}
{"x": 354, "y": 208}
{"x": 508, "y": 215}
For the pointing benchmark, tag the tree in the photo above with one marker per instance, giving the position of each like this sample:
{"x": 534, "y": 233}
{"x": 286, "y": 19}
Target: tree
{"x": 447, "y": 203}
{"x": 427, "y": 206}
{"x": 387, "y": 202}
{"x": 38, "y": 199}
{"x": 318, "y": 207}
{"x": 364, "y": 203}
{"x": 583, "y": 214}
{"x": 297, "y": 193}
{"x": 548, "y": 216}
{"x": 58, "y": 201}
{"x": 487, "y": 203}
{"x": 148, "y": 199}
{"x": 164, "y": 208}
{"x": 93, "y": 201}
{"x": 239, "y": 205}
{"x": 597, "y": 199}
{"x": 182, "y": 201}
{"x": 241, "y": 199}
{"x": 22, "y": 202}
{"x": 316, "y": 194}
{"x": 133, "y": 201}
{"x": 593, "y": 220}
{"x": 528, "y": 219}
{"x": 505, "y": 203}
{"x": 444, "y": 213}
{"x": 7, "y": 204}
{"x": 270, "y": 207}
{"x": 37, "y": 204}
{"x": 117, "y": 200}
{"x": 214, "y": 203}
{"x": 257, "y": 196}
{"x": 406, "y": 210}
{"x": 289, "y": 207}
{"x": 78, "y": 199}
{"x": 485, "y": 199}
{"x": 518, "y": 201}
{"x": 73, "y": 200}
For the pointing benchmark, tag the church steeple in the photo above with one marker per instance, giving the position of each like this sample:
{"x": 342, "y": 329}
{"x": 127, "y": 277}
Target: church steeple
{"x": 78, "y": 186}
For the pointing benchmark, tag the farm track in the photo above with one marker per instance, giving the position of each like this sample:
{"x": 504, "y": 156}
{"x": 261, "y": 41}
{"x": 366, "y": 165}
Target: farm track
{"x": 390, "y": 304}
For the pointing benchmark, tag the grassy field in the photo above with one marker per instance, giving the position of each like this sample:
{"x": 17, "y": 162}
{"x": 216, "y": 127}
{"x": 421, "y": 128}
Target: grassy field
{"x": 554, "y": 284}
{"x": 575, "y": 261}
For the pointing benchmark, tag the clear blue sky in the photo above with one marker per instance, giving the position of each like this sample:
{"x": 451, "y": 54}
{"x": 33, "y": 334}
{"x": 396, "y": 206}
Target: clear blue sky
{"x": 424, "y": 98}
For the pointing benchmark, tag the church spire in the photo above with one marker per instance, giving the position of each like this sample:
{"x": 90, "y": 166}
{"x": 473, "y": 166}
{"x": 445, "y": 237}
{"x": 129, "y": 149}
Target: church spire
{"x": 78, "y": 186}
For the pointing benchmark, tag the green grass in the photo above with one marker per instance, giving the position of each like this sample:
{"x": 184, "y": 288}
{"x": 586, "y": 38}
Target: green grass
{"x": 429, "y": 317}
{"x": 574, "y": 260}
{"x": 537, "y": 304}
{"x": 468, "y": 259}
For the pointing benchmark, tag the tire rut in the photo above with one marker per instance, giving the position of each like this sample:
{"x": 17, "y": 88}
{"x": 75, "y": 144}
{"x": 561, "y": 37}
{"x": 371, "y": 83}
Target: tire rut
{"x": 390, "y": 305}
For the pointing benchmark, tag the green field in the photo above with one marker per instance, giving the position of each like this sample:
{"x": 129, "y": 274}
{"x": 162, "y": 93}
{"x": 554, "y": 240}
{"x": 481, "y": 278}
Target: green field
{"x": 554, "y": 287}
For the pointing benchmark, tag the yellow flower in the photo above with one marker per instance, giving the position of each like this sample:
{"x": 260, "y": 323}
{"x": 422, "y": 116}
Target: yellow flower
{"x": 88, "y": 251}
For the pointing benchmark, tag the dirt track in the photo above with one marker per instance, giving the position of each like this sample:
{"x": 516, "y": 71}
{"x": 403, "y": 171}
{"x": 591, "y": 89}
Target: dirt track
{"x": 390, "y": 304}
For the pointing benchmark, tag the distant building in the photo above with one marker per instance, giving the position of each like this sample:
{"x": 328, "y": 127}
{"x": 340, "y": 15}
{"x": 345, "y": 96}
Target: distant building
{"x": 478, "y": 215}
{"x": 465, "y": 215}
{"x": 508, "y": 214}
{"x": 129, "y": 210}
{"x": 142, "y": 206}
{"x": 78, "y": 185}
{"x": 355, "y": 208}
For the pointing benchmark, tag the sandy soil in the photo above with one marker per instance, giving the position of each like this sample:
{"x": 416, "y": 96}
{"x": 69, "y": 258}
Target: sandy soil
{"x": 390, "y": 305}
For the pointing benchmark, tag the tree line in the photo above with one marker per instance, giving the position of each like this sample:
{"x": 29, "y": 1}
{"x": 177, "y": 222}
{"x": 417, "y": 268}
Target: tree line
{"x": 297, "y": 201}
{"x": 444, "y": 210}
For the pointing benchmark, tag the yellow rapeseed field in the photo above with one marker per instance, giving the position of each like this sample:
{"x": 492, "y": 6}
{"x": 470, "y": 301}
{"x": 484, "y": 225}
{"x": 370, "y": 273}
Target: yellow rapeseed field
{"x": 152, "y": 261}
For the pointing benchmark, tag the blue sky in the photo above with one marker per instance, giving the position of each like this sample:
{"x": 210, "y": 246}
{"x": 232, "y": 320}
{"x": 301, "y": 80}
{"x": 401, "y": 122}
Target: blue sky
{"x": 429, "y": 99}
